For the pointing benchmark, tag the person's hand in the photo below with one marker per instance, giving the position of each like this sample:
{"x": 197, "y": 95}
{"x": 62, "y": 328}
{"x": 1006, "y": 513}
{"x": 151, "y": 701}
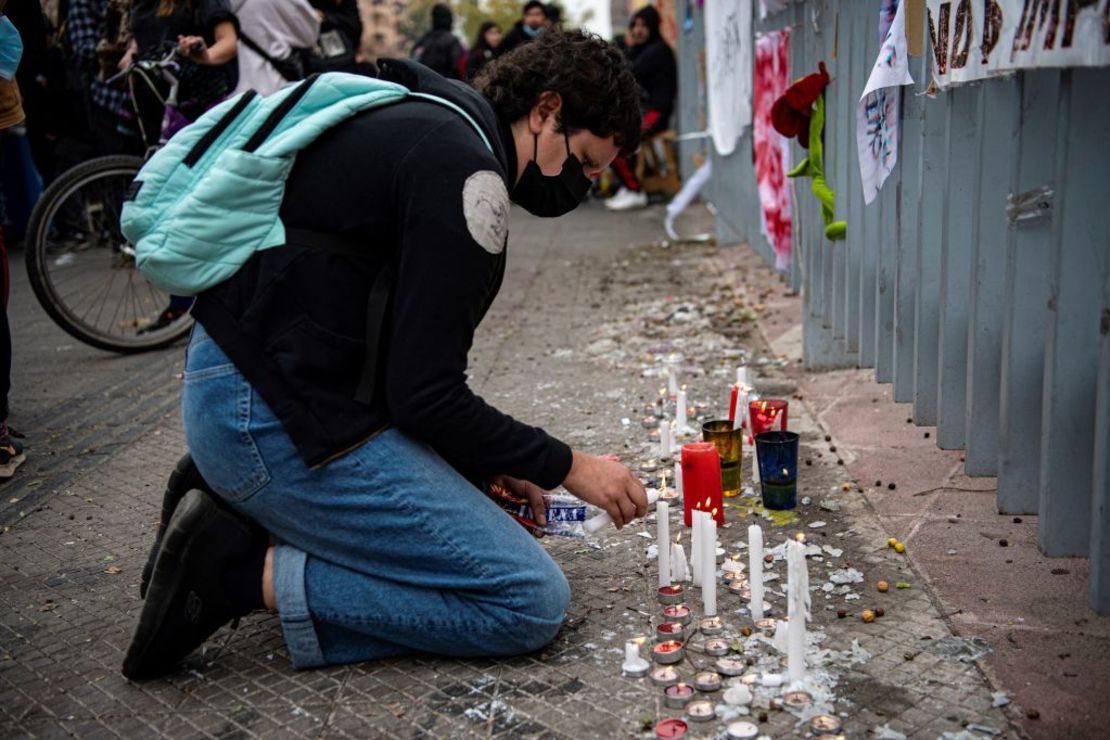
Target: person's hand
{"x": 127, "y": 58}
{"x": 529, "y": 491}
{"x": 608, "y": 485}
{"x": 193, "y": 48}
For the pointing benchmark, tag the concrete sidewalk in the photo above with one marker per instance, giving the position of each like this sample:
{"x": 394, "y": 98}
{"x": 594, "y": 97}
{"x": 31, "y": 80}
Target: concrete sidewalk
{"x": 590, "y": 306}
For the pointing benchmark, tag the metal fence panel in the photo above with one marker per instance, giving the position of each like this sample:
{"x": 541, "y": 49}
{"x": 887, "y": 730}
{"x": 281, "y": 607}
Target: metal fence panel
{"x": 997, "y": 332}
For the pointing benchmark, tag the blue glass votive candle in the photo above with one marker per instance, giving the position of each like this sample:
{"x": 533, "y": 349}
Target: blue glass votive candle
{"x": 778, "y": 468}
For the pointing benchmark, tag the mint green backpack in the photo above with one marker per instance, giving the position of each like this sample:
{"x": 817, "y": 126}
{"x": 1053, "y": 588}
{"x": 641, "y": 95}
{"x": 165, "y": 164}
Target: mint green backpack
{"x": 209, "y": 199}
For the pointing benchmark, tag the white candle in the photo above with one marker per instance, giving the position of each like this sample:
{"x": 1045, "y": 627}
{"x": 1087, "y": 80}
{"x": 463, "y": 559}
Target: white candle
{"x": 680, "y": 569}
{"x": 741, "y": 409}
{"x": 755, "y": 570}
{"x": 663, "y": 541}
{"x": 678, "y": 476}
{"x": 742, "y": 377}
{"x": 634, "y": 664}
{"x": 797, "y": 602}
{"x": 709, "y": 563}
{"x": 696, "y": 550}
{"x": 596, "y": 524}
{"x": 680, "y": 412}
{"x": 755, "y": 466}
{"x": 666, "y": 445}
{"x": 672, "y": 375}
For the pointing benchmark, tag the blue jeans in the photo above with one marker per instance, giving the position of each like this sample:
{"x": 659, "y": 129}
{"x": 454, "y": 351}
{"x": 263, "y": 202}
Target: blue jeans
{"x": 384, "y": 551}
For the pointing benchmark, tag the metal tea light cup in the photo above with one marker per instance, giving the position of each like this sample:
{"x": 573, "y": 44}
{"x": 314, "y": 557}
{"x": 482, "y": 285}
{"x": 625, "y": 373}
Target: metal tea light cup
{"x": 670, "y": 631}
{"x": 664, "y": 675}
{"x": 667, "y": 652}
{"x": 677, "y": 613}
{"x": 778, "y": 468}
{"x": 701, "y": 711}
{"x": 678, "y": 695}
{"x": 672, "y": 594}
{"x": 707, "y": 681}
{"x": 716, "y": 647}
{"x": 730, "y": 447}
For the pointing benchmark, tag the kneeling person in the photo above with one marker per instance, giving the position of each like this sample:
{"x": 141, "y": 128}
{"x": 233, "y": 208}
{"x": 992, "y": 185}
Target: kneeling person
{"x": 325, "y": 400}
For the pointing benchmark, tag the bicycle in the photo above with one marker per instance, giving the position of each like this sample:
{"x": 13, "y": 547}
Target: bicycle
{"x": 80, "y": 265}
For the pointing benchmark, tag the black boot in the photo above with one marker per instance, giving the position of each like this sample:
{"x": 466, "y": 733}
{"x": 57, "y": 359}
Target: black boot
{"x": 186, "y": 601}
{"x": 184, "y": 477}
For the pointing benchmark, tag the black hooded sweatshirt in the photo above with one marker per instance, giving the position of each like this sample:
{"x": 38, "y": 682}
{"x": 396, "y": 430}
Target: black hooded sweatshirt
{"x": 653, "y": 65}
{"x": 439, "y": 49}
{"x": 416, "y": 186}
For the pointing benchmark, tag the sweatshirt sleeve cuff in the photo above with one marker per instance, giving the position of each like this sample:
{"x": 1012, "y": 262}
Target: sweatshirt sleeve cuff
{"x": 555, "y": 467}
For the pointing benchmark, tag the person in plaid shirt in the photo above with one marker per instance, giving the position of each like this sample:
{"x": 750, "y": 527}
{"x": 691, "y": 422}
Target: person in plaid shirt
{"x": 109, "y": 107}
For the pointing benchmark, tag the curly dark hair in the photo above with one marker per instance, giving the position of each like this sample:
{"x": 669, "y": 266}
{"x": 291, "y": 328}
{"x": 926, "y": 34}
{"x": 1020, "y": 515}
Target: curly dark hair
{"x": 590, "y": 74}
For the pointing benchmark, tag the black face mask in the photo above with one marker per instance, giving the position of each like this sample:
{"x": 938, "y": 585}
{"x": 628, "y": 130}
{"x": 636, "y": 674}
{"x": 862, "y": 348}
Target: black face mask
{"x": 549, "y": 196}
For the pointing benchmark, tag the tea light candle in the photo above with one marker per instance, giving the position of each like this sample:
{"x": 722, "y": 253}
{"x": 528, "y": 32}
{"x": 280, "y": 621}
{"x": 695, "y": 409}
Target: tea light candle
{"x": 825, "y": 724}
{"x": 701, "y": 710}
{"x": 711, "y": 626}
{"x": 755, "y": 568}
{"x": 678, "y": 695}
{"x": 670, "y": 631}
{"x": 741, "y": 730}
{"x": 670, "y": 729}
{"x": 670, "y": 594}
{"x": 677, "y": 613}
{"x": 797, "y": 699}
{"x": 649, "y": 422}
{"x": 664, "y": 676}
{"x": 749, "y": 679}
{"x": 740, "y": 588}
{"x": 649, "y": 466}
{"x": 667, "y": 652}
{"x": 767, "y": 626}
{"x": 732, "y": 567}
{"x": 715, "y": 647}
{"x": 707, "y": 681}
{"x": 634, "y": 665}
{"x": 663, "y": 540}
{"x": 730, "y": 666}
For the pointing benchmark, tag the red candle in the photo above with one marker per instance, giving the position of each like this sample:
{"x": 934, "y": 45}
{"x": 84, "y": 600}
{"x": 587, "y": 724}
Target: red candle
{"x": 768, "y": 415}
{"x": 732, "y": 403}
{"x": 701, "y": 481}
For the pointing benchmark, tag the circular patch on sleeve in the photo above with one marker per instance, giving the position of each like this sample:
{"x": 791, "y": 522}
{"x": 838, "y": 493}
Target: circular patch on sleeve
{"x": 486, "y": 208}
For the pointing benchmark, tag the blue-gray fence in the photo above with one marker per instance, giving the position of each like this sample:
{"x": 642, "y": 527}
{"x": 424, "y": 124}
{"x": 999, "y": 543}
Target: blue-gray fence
{"x": 998, "y": 334}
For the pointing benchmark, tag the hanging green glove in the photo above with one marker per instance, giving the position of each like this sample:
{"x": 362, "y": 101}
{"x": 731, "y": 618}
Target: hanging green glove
{"x": 813, "y": 167}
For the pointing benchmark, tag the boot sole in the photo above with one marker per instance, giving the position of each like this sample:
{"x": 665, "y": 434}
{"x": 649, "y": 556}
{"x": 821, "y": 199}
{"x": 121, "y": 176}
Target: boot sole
{"x": 167, "y": 574}
{"x": 176, "y": 488}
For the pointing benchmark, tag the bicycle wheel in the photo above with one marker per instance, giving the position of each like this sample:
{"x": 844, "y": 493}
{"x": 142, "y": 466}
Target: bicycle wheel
{"x": 83, "y": 270}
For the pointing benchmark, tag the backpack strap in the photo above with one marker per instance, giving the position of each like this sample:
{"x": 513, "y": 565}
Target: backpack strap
{"x": 377, "y": 301}
{"x": 274, "y": 63}
{"x": 274, "y": 119}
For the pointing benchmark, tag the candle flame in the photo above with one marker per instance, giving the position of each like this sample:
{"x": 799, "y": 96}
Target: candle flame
{"x": 678, "y": 539}
{"x": 786, "y": 472}
{"x": 714, "y": 512}
{"x": 663, "y": 480}
{"x": 683, "y": 386}
{"x": 707, "y": 502}
{"x": 800, "y": 537}
{"x": 735, "y": 557}
{"x": 638, "y": 640}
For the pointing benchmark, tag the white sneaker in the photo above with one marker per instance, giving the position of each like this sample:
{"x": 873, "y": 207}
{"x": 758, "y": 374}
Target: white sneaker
{"x": 626, "y": 200}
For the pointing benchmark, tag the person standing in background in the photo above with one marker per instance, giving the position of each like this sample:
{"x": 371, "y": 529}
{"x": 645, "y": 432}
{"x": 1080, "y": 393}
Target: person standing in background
{"x": 531, "y": 25}
{"x": 11, "y": 114}
{"x": 485, "y": 45}
{"x": 340, "y": 36}
{"x": 439, "y": 49}
{"x": 655, "y": 69}
{"x": 278, "y": 28}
